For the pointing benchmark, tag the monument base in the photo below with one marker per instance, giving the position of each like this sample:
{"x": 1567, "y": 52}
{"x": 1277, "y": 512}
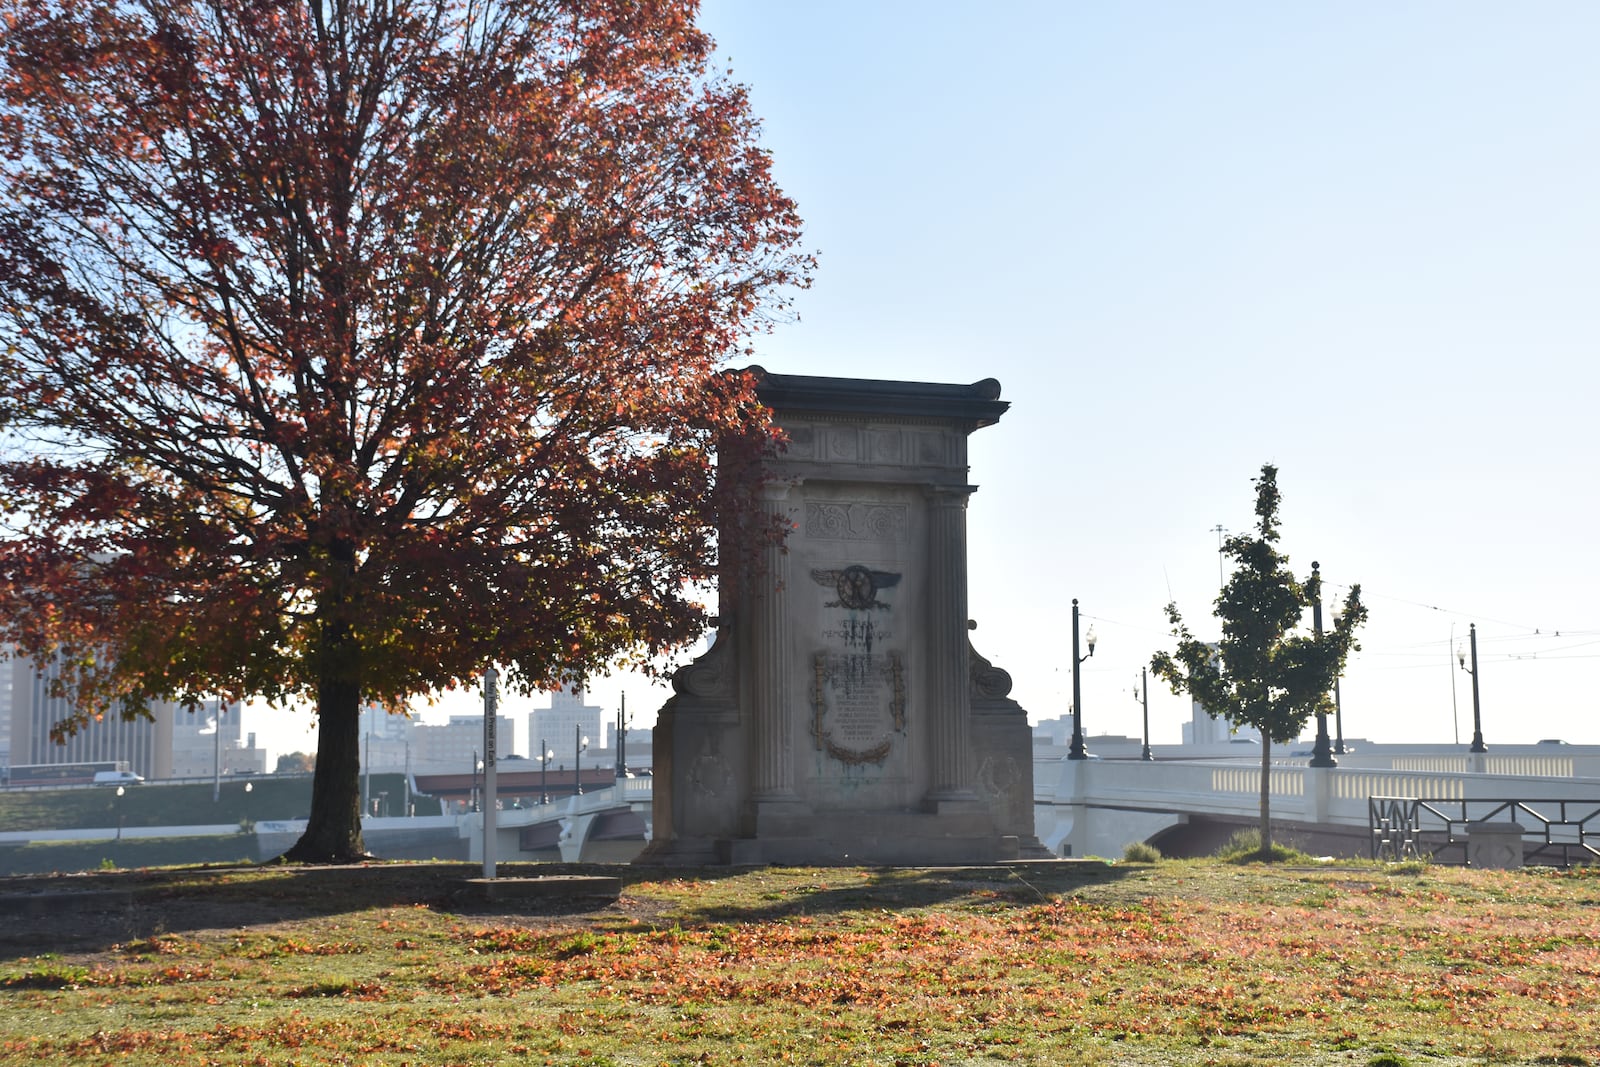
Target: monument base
{"x": 909, "y": 839}
{"x": 956, "y": 804}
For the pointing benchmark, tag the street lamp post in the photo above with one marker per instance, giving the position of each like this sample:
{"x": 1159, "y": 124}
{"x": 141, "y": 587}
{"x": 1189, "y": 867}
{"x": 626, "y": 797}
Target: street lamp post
{"x": 1338, "y": 721}
{"x": 1322, "y": 751}
{"x": 1477, "y": 718}
{"x": 580, "y": 745}
{"x": 120, "y": 793}
{"x": 622, "y": 739}
{"x": 1142, "y": 695}
{"x": 546, "y": 754}
{"x": 1077, "y": 750}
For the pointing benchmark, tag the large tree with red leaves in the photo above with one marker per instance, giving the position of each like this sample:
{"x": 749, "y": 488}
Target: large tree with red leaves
{"x": 354, "y": 345}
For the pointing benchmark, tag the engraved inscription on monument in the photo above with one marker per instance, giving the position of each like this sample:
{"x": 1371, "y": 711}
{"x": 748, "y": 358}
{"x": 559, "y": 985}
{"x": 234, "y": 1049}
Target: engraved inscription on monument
{"x": 858, "y": 688}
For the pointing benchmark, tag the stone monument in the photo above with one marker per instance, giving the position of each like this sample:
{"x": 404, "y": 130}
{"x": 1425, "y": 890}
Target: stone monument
{"x": 841, "y": 714}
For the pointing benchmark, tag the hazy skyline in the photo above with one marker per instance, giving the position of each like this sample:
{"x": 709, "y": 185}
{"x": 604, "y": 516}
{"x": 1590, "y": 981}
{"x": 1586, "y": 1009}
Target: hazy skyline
{"x": 1359, "y": 241}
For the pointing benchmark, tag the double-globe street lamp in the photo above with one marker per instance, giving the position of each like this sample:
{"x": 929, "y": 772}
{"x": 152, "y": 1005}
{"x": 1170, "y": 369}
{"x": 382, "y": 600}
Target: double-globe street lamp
{"x": 1077, "y": 751}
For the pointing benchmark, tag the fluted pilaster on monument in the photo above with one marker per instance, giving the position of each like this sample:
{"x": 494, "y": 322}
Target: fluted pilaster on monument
{"x": 769, "y": 633}
{"x": 949, "y": 698}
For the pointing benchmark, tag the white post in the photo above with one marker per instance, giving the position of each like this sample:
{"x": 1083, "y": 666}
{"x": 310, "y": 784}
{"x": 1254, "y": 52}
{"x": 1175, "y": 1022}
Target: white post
{"x": 490, "y": 699}
{"x": 216, "y": 759}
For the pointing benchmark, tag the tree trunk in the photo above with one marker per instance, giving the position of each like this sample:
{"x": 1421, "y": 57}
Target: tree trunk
{"x": 333, "y": 830}
{"x": 1266, "y": 795}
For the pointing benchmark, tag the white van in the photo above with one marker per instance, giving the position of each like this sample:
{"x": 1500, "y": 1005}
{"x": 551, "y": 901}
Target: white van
{"x": 116, "y": 778}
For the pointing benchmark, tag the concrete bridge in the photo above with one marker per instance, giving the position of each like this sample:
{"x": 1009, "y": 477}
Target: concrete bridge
{"x": 610, "y": 824}
{"x": 1189, "y": 807}
{"x": 1097, "y": 807}
{"x": 1184, "y": 806}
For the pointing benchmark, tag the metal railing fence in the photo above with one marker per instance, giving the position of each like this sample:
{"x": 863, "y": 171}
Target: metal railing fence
{"x": 1556, "y": 833}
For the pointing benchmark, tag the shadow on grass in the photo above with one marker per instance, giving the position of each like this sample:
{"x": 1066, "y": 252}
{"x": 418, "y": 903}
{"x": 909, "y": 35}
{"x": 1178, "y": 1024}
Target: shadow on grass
{"x": 92, "y": 912}
{"x": 821, "y": 891}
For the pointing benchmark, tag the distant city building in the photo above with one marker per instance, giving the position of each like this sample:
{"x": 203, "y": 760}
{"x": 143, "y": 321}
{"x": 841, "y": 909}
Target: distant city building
{"x": 1205, "y": 728}
{"x": 386, "y": 740}
{"x": 211, "y": 740}
{"x": 566, "y": 719}
{"x": 379, "y": 724}
{"x": 1056, "y": 731}
{"x": 456, "y": 744}
{"x": 145, "y": 744}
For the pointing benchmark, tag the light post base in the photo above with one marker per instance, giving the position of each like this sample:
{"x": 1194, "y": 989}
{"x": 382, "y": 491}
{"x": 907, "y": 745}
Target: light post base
{"x": 1077, "y": 751}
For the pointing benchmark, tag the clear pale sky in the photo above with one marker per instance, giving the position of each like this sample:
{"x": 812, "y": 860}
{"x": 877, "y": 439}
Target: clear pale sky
{"x": 1360, "y": 241}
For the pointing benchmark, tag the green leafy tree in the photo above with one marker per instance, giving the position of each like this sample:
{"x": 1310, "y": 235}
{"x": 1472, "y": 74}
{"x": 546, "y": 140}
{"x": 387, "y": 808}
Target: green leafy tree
{"x": 1267, "y": 671}
{"x": 296, "y": 763}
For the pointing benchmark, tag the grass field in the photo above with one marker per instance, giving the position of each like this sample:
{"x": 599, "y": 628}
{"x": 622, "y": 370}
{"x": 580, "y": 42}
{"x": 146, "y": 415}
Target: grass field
{"x": 1053, "y": 963}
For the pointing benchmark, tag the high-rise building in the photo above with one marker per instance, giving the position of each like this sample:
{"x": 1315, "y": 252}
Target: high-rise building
{"x": 567, "y": 719}
{"x": 385, "y": 740}
{"x": 1204, "y": 728}
{"x": 145, "y": 744}
{"x": 210, "y": 740}
{"x": 379, "y": 724}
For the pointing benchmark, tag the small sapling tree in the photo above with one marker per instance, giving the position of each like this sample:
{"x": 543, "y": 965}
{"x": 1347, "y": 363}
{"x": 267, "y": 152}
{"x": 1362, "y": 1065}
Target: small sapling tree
{"x": 1267, "y": 671}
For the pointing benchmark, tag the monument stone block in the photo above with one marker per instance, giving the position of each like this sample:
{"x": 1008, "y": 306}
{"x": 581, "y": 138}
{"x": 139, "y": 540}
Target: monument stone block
{"x": 841, "y": 714}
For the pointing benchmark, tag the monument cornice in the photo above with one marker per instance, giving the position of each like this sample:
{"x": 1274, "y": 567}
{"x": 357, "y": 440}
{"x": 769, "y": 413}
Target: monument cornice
{"x": 972, "y": 406}
{"x": 869, "y": 420}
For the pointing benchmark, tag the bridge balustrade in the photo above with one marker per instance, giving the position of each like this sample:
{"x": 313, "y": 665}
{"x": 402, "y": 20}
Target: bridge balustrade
{"x": 1555, "y": 832}
{"x": 1096, "y": 805}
